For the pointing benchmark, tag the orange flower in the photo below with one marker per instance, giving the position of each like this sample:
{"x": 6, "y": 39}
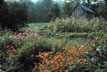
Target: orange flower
{"x": 81, "y": 50}
{"x": 46, "y": 70}
{"x": 45, "y": 54}
{"x": 51, "y": 62}
{"x": 73, "y": 51}
{"x": 57, "y": 60}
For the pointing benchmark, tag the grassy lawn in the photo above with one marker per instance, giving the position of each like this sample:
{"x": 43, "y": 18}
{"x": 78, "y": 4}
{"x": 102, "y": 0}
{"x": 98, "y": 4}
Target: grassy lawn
{"x": 37, "y": 26}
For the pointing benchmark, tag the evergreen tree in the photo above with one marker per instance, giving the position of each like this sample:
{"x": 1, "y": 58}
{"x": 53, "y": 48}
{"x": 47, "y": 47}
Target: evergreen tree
{"x": 13, "y": 16}
{"x": 56, "y": 10}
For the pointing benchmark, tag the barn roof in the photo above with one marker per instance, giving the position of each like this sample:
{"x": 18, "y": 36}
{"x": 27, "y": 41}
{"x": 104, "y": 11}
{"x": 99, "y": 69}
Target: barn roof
{"x": 87, "y": 9}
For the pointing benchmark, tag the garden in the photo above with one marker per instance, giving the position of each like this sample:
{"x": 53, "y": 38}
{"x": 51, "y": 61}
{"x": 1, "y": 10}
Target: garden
{"x": 54, "y": 47}
{"x": 53, "y": 37}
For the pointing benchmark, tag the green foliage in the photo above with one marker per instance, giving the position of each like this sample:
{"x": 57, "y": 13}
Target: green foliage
{"x": 5, "y": 39}
{"x": 77, "y": 25}
{"x": 101, "y": 70}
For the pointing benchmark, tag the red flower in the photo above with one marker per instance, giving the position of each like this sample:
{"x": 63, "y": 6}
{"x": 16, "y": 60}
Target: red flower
{"x": 81, "y": 61}
{"x": 7, "y": 46}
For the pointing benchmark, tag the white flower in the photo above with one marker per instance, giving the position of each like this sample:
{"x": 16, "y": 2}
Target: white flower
{"x": 98, "y": 49}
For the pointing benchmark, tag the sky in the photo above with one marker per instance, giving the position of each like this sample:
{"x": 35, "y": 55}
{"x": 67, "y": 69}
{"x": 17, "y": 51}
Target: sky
{"x": 34, "y": 0}
{"x": 11, "y": 0}
{"x": 38, "y": 0}
{"x": 53, "y": 0}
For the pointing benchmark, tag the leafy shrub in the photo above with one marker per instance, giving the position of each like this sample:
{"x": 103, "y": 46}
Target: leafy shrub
{"x": 77, "y": 25}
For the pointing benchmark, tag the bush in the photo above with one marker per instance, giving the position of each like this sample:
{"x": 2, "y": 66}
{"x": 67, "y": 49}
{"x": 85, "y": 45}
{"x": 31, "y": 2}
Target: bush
{"x": 77, "y": 25}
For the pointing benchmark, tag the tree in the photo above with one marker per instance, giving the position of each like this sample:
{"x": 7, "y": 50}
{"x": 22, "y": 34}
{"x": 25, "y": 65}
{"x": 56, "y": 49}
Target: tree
{"x": 56, "y": 10}
{"x": 105, "y": 2}
{"x": 69, "y": 6}
{"x": 3, "y": 14}
{"x": 68, "y": 9}
{"x": 13, "y": 16}
{"x": 43, "y": 10}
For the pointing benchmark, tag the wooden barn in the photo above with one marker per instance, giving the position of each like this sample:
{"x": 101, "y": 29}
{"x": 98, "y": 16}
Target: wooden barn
{"x": 83, "y": 11}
